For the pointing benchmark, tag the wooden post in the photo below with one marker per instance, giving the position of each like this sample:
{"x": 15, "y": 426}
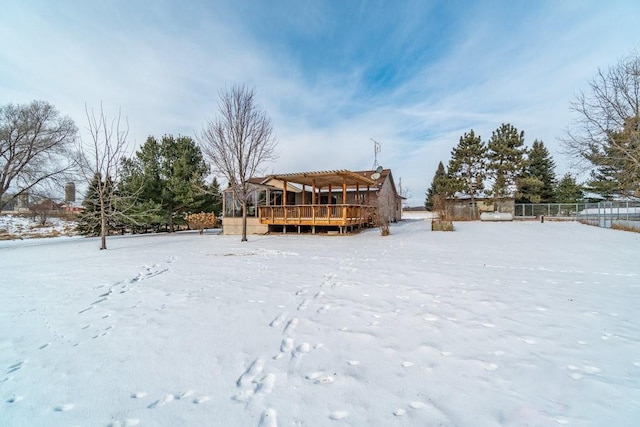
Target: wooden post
{"x": 330, "y": 197}
{"x": 344, "y": 190}
{"x": 344, "y": 200}
{"x": 358, "y": 192}
{"x": 284, "y": 194}
{"x": 303, "y": 191}
{"x": 313, "y": 192}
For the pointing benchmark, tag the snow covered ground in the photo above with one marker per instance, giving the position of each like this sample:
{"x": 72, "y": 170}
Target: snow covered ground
{"x": 495, "y": 324}
{"x": 24, "y": 227}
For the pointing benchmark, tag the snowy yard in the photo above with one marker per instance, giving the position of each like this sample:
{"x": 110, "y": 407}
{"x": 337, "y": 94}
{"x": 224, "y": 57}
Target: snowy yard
{"x": 495, "y": 324}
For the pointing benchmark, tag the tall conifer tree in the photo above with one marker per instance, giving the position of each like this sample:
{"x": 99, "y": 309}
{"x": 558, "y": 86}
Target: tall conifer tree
{"x": 506, "y": 160}
{"x": 568, "y": 190}
{"x": 433, "y": 190}
{"x": 467, "y": 166}
{"x": 537, "y": 182}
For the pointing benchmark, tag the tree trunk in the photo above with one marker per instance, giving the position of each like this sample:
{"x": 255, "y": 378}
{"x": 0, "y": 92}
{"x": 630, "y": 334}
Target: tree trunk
{"x": 103, "y": 227}
{"x": 244, "y": 222}
{"x": 473, "y": 206}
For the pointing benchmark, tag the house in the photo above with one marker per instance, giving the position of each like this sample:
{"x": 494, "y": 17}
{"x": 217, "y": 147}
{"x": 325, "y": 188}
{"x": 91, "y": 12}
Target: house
{"x": 321, "y": 201}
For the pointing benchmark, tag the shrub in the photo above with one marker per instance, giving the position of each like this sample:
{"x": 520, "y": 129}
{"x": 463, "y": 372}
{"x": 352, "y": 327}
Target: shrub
{"x": 440, "y": 225}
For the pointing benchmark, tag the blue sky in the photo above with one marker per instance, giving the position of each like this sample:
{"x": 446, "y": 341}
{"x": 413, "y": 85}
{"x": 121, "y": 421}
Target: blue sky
{"x": 332, "y": 75}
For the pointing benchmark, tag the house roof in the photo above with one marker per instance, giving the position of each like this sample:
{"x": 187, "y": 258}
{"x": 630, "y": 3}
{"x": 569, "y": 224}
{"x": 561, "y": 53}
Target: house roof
{"x": 326, "y": 178}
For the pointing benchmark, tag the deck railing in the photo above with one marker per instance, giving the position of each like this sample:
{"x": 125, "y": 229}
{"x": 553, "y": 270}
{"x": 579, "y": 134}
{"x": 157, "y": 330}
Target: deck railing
{"x": 340, "y": 215}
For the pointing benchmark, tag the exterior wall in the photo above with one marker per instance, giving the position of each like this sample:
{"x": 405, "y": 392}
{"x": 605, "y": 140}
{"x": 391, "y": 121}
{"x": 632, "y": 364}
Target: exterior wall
{"x": 233, "y": 226}
{"x": 388, "y": 202}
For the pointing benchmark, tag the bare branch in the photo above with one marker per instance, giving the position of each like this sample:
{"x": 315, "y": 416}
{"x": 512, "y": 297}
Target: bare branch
{"x": 35, "y": 148}
{"x": 606, "y": 131}
{"x": 239, "y": 141}
{"x": 100, "y": 163}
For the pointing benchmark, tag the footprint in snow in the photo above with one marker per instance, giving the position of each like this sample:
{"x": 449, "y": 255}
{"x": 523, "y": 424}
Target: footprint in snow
{"x": 291, "y": 325}
{"x": 201, "y": 399}
{"x": 323, "y": 309}
{"x": 268, "y": 418}
{"x": 16, "y": 367}
{"x": 338, "y": 415}
{"x": 301, "y": 350}
{"x": 184, "y": 394}
{"x": 278, "y": 320}
{"x": 64, "y": 408}
{"x": 304, "y": 304}
{"x": 578, "y": 373}
{"x": 489, "y": 366}
{"x": 285, "y": 347}
{"x": 168, "y": 398}
{"x": 327, "y": 379}
{"x": 265, "y": 385}
{"x": 296, "y": 356}
{"x": 15, "y": 399}
{"x": 250, "y": 374}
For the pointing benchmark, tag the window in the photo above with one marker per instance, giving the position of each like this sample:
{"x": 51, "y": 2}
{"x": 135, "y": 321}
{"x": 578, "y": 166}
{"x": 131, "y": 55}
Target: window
{"x": 276, "y": 198}
{"x": 232, "y": 207}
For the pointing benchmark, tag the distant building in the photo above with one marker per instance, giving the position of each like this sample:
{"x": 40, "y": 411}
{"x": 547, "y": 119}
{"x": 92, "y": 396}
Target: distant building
{"x": 70, "y": 192}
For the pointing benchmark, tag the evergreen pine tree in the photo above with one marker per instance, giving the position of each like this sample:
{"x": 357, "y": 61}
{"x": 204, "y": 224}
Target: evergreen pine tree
{"x": 182, "y": 173}
{"x": 467, "y": 166}
{"x": 537, "y": 182}
{"x": 433, "y": 190}
{"x": 89, "y": 221}
{"x": 213, "y": 198}
{"x": 167, "y": 180}
{"x": 568, "y": 190}
{"x": 506, "y": 160}
{"x": 617, "y": 168}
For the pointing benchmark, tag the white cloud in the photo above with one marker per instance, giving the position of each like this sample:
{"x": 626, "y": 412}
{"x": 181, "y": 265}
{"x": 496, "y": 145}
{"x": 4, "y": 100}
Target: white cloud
{"x": 163, "y": 66}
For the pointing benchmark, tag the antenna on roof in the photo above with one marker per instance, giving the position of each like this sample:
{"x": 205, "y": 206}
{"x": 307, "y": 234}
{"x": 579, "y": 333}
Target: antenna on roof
{"x": 376, "y": 151}
{"x": 378, "y": 169}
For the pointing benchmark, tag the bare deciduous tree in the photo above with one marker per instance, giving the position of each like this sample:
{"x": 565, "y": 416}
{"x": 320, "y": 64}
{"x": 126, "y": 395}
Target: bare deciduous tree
{"x": 35, "y": 148}
{"x": 239, "y": 142}
{"x": 606, "y": 132}
{"x": 101, "y": 158}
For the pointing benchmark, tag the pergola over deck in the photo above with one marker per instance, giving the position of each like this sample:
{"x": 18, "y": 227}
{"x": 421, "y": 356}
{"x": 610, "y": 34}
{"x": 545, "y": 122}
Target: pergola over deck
{"x": 311, "y": 212}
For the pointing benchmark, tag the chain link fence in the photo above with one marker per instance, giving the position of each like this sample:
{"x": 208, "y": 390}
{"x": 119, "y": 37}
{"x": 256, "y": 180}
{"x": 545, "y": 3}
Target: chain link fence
{"x": 623, "y": 215}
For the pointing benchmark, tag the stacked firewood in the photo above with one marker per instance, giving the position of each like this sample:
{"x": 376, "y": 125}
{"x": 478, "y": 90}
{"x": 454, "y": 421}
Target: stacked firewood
{"x": 201, "y": 220}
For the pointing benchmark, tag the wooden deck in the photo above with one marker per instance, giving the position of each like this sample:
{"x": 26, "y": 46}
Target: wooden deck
{"x": 316, "y": 215}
